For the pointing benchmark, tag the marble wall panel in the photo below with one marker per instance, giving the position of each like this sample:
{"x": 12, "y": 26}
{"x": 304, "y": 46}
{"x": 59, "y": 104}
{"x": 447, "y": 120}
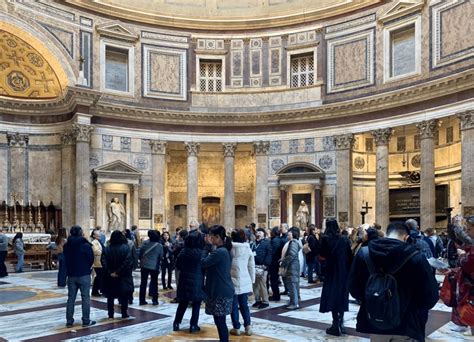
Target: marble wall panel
{"x": 350, "y": 62}
{"x": 164, "y": 72}
{"x": 49, "y": 139}
{"x": 45, "y": 175}
{"x": 363, "y": 192}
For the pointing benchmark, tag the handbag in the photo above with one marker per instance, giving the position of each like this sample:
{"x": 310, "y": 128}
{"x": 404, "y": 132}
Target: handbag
{"x": 306, "y": 248}
{"x": 448, "y": 289}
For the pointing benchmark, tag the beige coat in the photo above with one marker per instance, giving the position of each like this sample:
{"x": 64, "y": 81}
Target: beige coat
{"x": 97, "y": 249}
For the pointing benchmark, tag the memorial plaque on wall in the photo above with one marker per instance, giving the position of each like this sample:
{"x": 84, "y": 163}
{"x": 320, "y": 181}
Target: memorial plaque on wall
{"x": 274, "y": 207}
{"x": 262, "y": 218}
{"x": 145, "y": 208}
{"x": 406, "y": 202}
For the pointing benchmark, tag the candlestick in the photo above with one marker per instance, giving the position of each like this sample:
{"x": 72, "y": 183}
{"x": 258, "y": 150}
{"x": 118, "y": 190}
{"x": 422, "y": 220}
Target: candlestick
{"x": 16, "y": 223}
{"x": 39, "y": 224}
{"x": 23, "y": 224}
{"x": 31, "y": 224}
{"x": 6, "y": 223}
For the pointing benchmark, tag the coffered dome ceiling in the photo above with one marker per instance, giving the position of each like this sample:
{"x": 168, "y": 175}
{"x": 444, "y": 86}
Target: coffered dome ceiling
{"x": 223, "y": 14}
{"x": 24, "y": 72}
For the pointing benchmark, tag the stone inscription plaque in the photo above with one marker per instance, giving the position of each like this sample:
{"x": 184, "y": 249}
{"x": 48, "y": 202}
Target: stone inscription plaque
{"x": 145, "y": 208}
{"x": 406, "y": 201}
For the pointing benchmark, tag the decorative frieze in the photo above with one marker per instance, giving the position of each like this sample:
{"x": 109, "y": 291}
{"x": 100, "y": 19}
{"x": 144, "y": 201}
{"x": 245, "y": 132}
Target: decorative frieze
{"x": 82, "y": 133}
{"x": 344, "y": 141}
{"x": 229, "y": 149}
{"x": 158, "y": 146}
{"x": 192, "y": 148}
{"x": 382, "y": 136}
{"x": 261, "y": 147}
{"x": 17, "y": 139}
{"x": 467, "y": 119}
{"x": 428, "y": 128}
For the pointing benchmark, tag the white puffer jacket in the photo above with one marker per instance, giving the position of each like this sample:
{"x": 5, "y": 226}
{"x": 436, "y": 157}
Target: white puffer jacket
{"x": 242, "y": 270}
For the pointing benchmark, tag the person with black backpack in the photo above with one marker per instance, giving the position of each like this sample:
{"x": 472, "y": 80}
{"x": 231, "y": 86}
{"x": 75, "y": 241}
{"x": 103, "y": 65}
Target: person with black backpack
{"x": 395, "y": 284}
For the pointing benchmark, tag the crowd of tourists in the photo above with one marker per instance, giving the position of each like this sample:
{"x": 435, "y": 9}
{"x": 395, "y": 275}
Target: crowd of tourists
{"x": 391, "y": 275}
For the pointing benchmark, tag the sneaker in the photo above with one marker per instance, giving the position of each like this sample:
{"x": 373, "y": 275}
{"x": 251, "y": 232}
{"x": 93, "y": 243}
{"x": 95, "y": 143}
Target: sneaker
{"x": 235, "y": 332}
{"x": 459, "y": 329}
{"x": 256, "y": 304}
{"x": 263, "y": 306}
{"x": 89, "y": 324}
{"x": 248, "y": 330}
{"x": 293, "y": 307}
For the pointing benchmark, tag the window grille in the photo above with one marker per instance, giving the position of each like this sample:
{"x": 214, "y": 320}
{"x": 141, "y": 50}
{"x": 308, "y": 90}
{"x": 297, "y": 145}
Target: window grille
{"x": 302, "y": 71}
{"x": 210, "y": 76}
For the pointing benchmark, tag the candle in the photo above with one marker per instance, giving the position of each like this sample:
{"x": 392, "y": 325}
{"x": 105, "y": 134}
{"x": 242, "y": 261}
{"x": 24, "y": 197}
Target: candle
{"x": 38, "y": 203}
{"x": 22, "y": 203}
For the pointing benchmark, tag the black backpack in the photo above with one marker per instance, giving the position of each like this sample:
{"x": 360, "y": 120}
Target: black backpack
{"x": 382, "y": 302}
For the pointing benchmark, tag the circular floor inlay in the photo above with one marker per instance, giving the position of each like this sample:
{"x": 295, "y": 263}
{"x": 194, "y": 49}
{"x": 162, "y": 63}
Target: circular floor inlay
{"x": 8, "y": 296}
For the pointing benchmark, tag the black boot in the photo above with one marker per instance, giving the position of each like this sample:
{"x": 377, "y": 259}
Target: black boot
{"x": 341, "y": 324}
{"x": 194, "y": 328}
{"x": 334, "y": 329}
{"x": 175, "y": 326}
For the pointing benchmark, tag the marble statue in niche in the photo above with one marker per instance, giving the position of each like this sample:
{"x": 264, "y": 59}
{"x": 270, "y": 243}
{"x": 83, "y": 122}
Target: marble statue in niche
{"x": 302, "y": 216}
{"x": 116, "y": 214}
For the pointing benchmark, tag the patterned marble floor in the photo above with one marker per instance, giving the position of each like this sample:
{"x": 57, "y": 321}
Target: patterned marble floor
{"x": 32, "y": 308}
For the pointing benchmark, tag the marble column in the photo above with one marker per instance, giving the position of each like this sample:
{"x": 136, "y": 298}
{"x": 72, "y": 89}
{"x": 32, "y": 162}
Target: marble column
{"x": 135, "y": 196}
{"x": 283, "y": 204}
{"x": 261, "y": 149}
{"x": 229, "y": 185}
{"x": 99, "y": 215}
{"x": 82, "y": 134}
{"x": 68, "y": 180}
{"x": 18, "y": 170}
{"x": 192, "y": 149}
{"x": 158, "y": 151}
{"x": 318, "y": 213}
{"x": 344, "y": 145}
{"x": 382, "y": 208}
{"x": 467, "y": 162}
{"x": 427, "y": 131}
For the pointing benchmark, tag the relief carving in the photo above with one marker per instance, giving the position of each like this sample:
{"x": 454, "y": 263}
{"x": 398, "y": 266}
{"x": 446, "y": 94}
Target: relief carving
{"x": 467, "y": 119}
{"x": 261, "y": 147}
{"x": 382, "y": 136}
{"x": 428, "y": 128}
{"x": 192, "y": 148}
{"x": 158, "y": 146}
{"x": 82, "y": 133}
{"x": 17, "y": 139}
{"x": 344, "y": 141}
{"x": 229, "y": 149}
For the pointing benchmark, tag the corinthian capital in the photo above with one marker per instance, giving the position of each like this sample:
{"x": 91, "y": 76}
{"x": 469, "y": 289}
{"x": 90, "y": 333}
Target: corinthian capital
{"x": 261, "y": 147}
{"x": 17, "y": 139}
{"x": 158, "y": 146}
{"x": 428, "y": 128}
{"x": 467, "y": 119}
{"x": 82, "y": 133}
{"x": 344, "y": 141}
{"x": 67, "y": 138}
{"x": 192, "y": 148}
{"x": 382, "y": 136}
{"x": 229, "y": 149}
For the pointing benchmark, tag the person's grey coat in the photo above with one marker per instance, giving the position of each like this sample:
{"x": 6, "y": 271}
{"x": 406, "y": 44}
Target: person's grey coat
{"x": 150, "y": 255}
{"x": 291, "y": 262}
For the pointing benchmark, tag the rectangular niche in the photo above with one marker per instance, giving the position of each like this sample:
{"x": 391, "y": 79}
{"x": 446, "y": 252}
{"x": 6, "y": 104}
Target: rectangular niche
{"x": 164, "y": 73}
{"x": 117, "y": 72}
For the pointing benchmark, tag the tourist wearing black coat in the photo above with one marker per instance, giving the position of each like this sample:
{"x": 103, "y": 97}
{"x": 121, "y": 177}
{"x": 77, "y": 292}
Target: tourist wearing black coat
{"x": 336, "y": 249}
{"x": 117, "y": 267}
{"x": 191, "y": 280}
{"x": 312, "y": 255}
{"x": 277, "y": 246}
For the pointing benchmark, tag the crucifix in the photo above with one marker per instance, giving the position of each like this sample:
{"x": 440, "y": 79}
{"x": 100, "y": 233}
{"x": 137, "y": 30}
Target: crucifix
{"x": 365, "y": 211}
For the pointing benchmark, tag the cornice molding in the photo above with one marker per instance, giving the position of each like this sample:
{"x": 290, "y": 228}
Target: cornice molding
{"x": 102, "y": 106}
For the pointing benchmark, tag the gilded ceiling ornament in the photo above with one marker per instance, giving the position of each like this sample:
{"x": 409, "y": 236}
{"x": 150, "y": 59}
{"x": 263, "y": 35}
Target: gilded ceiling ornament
{"x": 229, "y": 149}
{"x": 428, "y": 128}
{"x": 382, "y": 136}
{"x": 25, "y": 72}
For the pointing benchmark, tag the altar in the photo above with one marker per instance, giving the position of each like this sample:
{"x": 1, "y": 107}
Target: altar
{"x": 37, "y": 255}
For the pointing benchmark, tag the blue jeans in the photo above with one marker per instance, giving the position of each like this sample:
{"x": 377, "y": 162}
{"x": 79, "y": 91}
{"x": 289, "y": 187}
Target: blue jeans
{"x": 19, "y": 264}
{"x": 73, "y": 285}
{"x": 293, "y": 291}
{"x": 240, "y": 302}
{"x": 61, "y": 270}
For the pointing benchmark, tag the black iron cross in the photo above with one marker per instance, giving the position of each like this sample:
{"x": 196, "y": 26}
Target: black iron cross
{"x": 362, "y": 213}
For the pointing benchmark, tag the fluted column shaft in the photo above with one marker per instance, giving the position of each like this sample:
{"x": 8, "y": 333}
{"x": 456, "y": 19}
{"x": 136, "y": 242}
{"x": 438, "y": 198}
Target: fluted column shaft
{"x": 344, "y": 145}
{"x": 158, "y": 150}
{"x": 261, "y": 149}
{"x": 427, "y": 130}
{"x": 382, "y": 208}
{"x": 68, "y": 182}
{"x": 467, "y": 162}
{"x": 229, "y": 185}
{"x": 18, "y": 172}
{"x": 192, "y": 149}
{"x": 82, "y": 135}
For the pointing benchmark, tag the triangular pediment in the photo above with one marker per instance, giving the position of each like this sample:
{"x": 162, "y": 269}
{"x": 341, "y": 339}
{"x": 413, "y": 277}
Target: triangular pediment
{"x": 117, "y": 167}
{"x": 401, "y": 8}
{"x": 117, "y": 30}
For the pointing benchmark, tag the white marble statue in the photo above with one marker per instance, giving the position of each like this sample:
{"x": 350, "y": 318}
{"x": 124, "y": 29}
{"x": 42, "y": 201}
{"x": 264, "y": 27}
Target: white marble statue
{"x": 302, "y": 216}
{"x": 116, "y": 214}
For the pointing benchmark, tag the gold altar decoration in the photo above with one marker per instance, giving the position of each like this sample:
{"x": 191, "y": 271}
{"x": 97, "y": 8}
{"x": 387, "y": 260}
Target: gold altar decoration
{"x": 26, "y": 72}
